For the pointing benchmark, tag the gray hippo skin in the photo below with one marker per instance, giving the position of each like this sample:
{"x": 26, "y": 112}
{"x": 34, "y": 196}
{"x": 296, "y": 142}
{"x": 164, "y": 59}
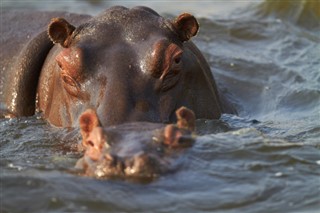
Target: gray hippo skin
{"x": 137, "y": 151}
{"x": 24, "y": 47}
{"x": 126, "y": 64}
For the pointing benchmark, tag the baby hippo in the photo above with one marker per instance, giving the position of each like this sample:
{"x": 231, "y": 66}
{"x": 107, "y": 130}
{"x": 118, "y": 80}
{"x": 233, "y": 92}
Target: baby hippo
{"x": 138, "y": 151}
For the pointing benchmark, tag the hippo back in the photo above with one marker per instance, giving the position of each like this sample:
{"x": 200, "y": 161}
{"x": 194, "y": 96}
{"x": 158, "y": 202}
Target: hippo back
{"x": 24, "y": 44}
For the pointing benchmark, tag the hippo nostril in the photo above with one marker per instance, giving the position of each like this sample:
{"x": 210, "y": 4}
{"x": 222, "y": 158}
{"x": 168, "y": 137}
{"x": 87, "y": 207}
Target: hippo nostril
{"x": 139, "y": 165}
{"x": 130, "y": 167}
{"x": 118, "y": 164}
{"x": 90, "y": 143}
{"x": 114, "y": 161}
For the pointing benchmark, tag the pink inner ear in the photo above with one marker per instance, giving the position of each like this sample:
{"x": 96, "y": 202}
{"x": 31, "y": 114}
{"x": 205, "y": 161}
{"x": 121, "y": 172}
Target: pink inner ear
{"x": 187, "y": 26}
{"x": 60, "y": 31}
{"x": 88, "y": 121}
{"x": 191, "y": 26}
{"x": 186, "y": 118}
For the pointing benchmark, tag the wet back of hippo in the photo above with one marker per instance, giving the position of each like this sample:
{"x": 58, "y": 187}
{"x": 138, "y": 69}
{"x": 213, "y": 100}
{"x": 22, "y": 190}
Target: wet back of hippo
{"x": 127, "y": 64}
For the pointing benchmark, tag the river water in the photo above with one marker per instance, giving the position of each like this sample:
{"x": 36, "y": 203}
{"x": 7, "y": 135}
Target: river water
{"x": 265, "y": 56}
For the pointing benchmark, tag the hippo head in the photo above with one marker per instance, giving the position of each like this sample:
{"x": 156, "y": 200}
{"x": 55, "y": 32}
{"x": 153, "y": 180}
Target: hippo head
{"x": 128, "y": 65}
{"x": 137, "y": 151}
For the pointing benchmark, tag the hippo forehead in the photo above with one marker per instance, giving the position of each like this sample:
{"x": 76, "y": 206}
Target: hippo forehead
{"x": 125, "y": 25}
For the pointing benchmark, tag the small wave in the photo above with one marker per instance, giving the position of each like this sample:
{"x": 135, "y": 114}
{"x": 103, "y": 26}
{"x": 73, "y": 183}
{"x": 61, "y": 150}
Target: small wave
{"x": 269, "y": 66}
{"x": 301, "y": 100}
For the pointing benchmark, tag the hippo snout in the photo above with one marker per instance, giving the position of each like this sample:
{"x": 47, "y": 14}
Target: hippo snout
{"x": 145, "y": 159}
{"x": 142, "y": 165}
{"x": 102, "y": 164}
{"x": 135, "y": 150}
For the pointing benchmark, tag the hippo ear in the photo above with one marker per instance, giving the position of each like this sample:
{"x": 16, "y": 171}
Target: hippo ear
{"x": 59, "y": 31}
{"x": 88, "y": 121}
{"x": 186, "y": 118}
{"x": 186, "y": 26}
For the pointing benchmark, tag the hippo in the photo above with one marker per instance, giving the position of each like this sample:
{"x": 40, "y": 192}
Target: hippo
{"x": 122, "y": 152}
{"x": 129, "y": 65}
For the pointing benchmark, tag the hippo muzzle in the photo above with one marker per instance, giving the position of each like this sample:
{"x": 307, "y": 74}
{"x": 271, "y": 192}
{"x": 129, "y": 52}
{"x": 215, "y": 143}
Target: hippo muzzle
{"x": 140, "y": 151}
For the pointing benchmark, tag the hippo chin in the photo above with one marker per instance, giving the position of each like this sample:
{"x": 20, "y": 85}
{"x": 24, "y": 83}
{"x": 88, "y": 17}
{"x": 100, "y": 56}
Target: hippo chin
{"x": 135, "y": 151}
{"x": 126, "y": 64}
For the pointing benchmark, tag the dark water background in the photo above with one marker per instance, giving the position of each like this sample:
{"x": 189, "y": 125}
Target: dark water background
{"x": 265, "y": 56}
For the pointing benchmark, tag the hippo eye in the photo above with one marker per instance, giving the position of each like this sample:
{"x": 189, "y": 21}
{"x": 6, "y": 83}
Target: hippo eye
{"x": 70, "y": 85}
{"x": 68, "y": 80}
{"x": 177, "y": 59}
{"x": 172, "y": 60}
{"x": 59, "y": 64}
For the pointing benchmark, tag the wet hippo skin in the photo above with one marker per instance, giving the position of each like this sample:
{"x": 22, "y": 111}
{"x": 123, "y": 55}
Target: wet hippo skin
{"x": 137, "y": 151}
{"x": 126, "y": 64}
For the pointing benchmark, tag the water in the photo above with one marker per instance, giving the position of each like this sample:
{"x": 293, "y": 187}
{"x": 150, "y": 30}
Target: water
{"x": 266, "y": 58}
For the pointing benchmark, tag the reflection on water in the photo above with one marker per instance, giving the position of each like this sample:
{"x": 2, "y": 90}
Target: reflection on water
{"x": 265, "y": 57}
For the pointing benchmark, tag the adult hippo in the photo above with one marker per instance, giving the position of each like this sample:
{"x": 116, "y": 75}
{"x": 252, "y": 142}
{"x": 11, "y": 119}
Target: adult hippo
{"x": 126, "y": 64}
